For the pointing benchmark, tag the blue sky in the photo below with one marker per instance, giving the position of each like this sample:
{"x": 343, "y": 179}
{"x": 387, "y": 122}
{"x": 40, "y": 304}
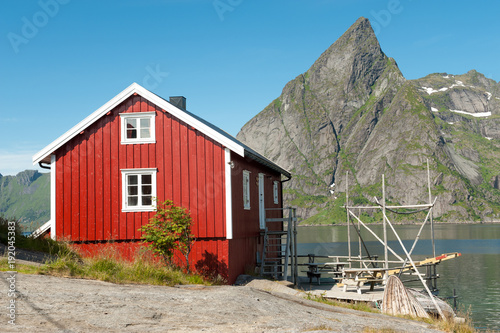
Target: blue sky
{"x": 63, "y": 59}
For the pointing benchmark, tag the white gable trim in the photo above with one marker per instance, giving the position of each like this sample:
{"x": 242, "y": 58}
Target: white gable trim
{"x": 46, "y": 226}
{"x": 135, "y": 88}
{"x": 51, "y": 224}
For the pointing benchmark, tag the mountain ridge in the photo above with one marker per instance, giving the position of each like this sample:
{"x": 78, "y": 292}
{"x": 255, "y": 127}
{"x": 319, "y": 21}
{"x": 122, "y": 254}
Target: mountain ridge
{"x": 26, "y": 197}
{"x": 350, "y": 111}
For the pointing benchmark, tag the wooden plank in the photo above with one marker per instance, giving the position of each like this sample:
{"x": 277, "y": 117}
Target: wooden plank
{"x": 138, "y": 218}
{"x": 136, "y": 159}
{"x": 75, "y": 195}
{"x": 176, "y": 162}
{"x": 144, "y": 105}
{"x": 136, "y": 103}
{"x": 106, "y": 169}
{"x": 144, "y": 156}
{"x": 115, "y": 172}
{"x": 210, "y": 200}
{"x": 91, "y": 187}
{"x": 99, "y": 217}
{"x": 152, "y": 153}
{"x": 202, "y": 195}
{"x": 130, "y": 216}
{"x": 193, "y": 181}
{"x": 83, "y": 187}
{"x": 160, "y": 155}
{"x": 67, "y": 192}
{"x": 122, "y": 163}
{"x": 59, "y": 196}
{"x": 167, "y": 158}
{"x": 184, "y": 164}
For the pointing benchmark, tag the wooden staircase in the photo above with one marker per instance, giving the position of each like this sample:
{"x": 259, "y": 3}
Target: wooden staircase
{"x": 280, "y": 246}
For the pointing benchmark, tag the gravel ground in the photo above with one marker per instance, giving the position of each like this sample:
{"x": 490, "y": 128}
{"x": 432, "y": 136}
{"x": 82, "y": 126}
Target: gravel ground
{"x": 56, "y": 304}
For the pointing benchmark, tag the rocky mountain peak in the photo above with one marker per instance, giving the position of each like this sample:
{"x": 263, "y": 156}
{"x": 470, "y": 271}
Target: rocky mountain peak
{"x": 349, "y": 68}
{"x": 302, "y": 129}
{"x": 27, "y": 177}
{"x": 353, "y": 112}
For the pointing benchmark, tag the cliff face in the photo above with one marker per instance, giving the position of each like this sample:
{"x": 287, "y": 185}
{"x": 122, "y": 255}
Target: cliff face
{"x": 354, "y": 111}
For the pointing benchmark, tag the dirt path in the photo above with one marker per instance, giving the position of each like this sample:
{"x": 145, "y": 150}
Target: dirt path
{"x": 54, "y": 304}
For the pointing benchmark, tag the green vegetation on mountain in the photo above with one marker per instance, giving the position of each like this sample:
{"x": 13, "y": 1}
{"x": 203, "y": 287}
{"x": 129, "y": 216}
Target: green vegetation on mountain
{"x": 26, "y": 197}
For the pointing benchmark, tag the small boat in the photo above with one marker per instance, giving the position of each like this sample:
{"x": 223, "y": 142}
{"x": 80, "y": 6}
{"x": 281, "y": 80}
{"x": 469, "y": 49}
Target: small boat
{"x": 426, "y": 302}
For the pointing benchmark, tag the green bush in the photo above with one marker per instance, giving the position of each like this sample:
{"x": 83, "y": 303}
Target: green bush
{"x": 169, "y": 230}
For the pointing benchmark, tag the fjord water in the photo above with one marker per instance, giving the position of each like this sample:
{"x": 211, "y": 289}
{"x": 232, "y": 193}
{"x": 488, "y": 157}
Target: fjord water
{"x": 475, "y": 275}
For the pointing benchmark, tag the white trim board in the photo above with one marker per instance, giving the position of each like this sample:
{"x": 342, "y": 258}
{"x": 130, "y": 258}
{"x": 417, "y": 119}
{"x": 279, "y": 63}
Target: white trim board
{"x": 229, "y": 201}
{"x": 53, "y": 196}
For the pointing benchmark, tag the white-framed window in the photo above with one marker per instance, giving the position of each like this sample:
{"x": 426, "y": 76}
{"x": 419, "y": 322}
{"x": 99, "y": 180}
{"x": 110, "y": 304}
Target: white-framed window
{"x": 275, "y": 192}
{"x": 138, "y": 190}
{"x": 246, "y": 189}
{"x": 138, "y": 127}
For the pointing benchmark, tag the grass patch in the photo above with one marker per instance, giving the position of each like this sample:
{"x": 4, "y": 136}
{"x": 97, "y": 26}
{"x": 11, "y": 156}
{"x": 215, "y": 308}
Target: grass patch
{"x": 144, "y": 269}
{"x": 46, "y": 245}
{"x": 20, "y": 268}
{"x": 444, "y": 325}
{"x": 106, "y": 266}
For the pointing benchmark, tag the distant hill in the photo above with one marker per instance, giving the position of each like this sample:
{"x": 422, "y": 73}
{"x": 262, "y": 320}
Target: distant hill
{"x": 353, "y": 111}
{"x": 26, "y": 196}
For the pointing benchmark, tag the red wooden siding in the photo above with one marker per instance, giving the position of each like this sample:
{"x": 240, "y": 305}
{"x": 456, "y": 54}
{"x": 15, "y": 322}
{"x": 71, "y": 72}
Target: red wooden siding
{"x": 190, "y": 171}
{"x": 208, "y": 257}
{"x": 247, "y": 238}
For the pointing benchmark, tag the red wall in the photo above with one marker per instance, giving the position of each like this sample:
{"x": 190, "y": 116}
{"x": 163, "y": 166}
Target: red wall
{"x": 88, "y": 183}
{"x": 190, "y": 172}
{"x": 208, "y": 256}
{"x": 247, "y": 238}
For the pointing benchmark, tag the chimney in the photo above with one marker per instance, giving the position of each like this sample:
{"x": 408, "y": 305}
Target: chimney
{"x": 178, "y": 101}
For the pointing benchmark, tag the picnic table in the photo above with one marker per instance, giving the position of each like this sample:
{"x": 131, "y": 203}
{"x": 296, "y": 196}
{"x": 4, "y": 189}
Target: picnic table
{"x": 359, "y": 276}
{"x": 316, "y": 268}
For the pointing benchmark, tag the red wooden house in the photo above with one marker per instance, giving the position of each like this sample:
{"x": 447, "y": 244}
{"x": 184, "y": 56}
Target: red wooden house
{"x": 107, "y": 170}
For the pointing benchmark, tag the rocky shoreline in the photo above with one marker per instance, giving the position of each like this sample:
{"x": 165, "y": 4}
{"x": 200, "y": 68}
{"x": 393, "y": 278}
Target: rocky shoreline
{"x": 58, "y": 304}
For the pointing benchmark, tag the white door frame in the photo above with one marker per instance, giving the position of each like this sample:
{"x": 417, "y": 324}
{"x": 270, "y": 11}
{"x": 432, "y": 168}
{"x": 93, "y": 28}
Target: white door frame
{"x": 262, "y": 211}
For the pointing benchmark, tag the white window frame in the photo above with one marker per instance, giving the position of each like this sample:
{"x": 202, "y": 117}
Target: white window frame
{"x": 139, "y": 207}
{"x": 151, "y": 115}
{"x": 276, "y": 192}
{"x": 246, "y": 189}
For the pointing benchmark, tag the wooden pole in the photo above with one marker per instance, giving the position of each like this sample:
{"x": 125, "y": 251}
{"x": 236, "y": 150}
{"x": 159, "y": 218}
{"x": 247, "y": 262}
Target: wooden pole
{"x": 416, "y": 270}
{"x": 347, "y": 204}
{"x": 386, "y": 264}
{"x": 430, "y": 210}
{"x": 377, "y": 237}
{"x": 359, "y": 241}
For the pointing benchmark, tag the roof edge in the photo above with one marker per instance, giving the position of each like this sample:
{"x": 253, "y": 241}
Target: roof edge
{"x": 200, "y": 124}
{"x": 82, "y": 125}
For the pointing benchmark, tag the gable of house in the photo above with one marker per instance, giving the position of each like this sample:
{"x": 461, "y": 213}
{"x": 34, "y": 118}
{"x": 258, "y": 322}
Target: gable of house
{"x": 184, "y": 154}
